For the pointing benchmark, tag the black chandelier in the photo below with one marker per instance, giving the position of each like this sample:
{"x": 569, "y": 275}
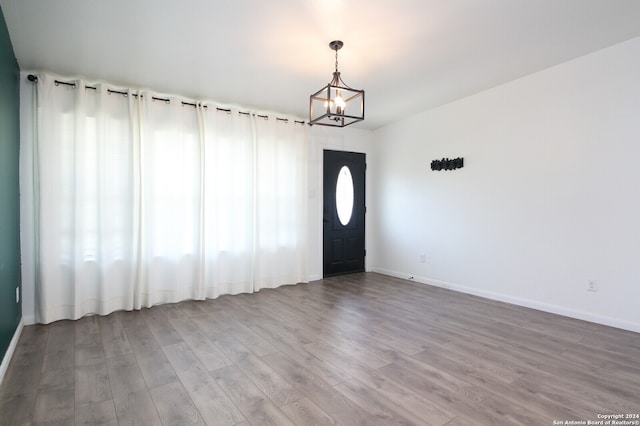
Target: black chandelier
{"x": 336, "y": 104}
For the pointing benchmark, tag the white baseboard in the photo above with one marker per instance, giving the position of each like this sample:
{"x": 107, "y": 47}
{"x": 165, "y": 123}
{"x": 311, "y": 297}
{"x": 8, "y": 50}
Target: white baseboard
{"x": 528, "y": 303}
{"x": 315, "y": 277}
{"x": 10, "y": 350}
{"x": 29, "y": 319}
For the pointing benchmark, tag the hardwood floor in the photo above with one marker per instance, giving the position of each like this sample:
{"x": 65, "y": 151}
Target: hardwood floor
{"x": 361, "y": 349}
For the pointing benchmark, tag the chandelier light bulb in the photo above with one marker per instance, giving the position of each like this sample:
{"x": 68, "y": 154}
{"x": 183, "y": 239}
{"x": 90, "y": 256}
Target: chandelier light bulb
{"x": 340, "y": 105}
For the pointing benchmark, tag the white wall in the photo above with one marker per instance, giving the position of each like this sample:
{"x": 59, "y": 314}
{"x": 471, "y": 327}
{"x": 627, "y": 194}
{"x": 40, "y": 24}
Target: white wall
{"x": 547, "y": 199}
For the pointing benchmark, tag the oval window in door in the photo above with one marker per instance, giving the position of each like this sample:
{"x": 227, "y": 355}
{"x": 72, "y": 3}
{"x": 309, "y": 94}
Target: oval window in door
{"x": 344, "y": 195}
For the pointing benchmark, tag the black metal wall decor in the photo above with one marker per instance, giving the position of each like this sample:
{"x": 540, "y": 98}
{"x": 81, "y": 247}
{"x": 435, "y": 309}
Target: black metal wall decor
{"x": 447, "y": 164}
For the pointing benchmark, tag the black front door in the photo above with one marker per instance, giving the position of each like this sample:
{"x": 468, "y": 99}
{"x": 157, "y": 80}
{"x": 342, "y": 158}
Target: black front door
{"x": 344, "y": 212}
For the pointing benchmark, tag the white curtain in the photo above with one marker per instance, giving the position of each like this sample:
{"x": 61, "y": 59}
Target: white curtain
{"x": 141, "y": 199}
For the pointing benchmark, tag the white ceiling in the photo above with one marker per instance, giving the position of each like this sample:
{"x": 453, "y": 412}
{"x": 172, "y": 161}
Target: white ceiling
{"x": 408, "y": 55}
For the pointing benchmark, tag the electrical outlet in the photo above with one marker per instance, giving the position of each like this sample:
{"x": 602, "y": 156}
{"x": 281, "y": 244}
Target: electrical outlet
{"x": 423, "y": 258}
{"x": 17, "y": 294}
{"x": 592, "y": 285}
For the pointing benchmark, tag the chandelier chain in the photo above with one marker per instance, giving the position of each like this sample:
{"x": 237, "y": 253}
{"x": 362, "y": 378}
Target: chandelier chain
{"x": 336, "y": 60}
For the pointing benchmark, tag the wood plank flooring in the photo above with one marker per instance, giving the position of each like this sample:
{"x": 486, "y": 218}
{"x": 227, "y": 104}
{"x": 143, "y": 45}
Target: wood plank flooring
{"x": 361, "y": 349}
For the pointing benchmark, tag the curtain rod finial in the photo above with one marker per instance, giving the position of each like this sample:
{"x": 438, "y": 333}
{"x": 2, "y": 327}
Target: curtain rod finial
{"x": 32, "y": 78}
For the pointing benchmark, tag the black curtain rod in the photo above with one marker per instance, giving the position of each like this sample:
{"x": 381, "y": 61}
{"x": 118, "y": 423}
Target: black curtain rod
{"x": 33, "y": 78}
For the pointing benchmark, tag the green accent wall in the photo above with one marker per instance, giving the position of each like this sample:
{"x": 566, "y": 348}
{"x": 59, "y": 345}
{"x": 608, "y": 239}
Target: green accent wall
{"x": 10, "y": 311}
